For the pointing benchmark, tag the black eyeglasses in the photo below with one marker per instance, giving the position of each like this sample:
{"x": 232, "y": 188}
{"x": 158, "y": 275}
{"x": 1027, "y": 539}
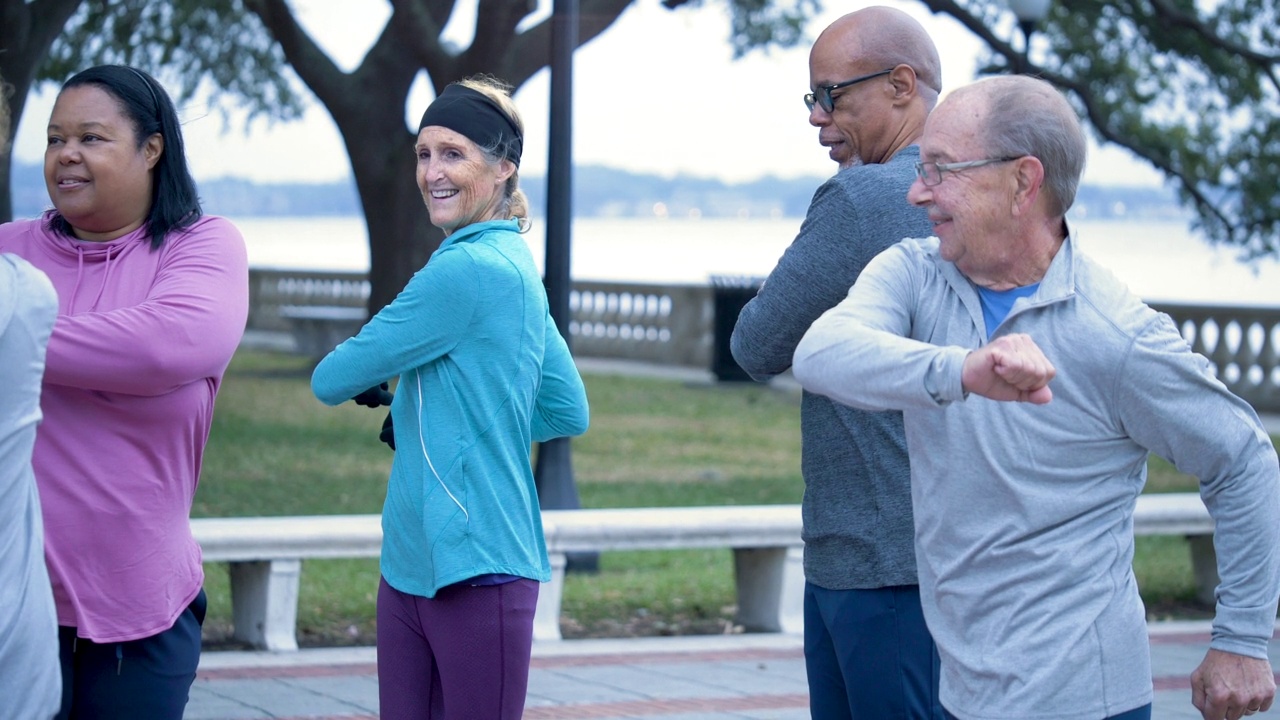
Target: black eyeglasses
{"x": 822, "y": 95}
{"x": 930, "y": 173}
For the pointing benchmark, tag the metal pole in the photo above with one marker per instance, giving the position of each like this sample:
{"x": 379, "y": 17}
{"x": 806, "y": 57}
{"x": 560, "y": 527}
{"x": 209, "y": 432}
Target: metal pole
{"x": 554, "y": 471}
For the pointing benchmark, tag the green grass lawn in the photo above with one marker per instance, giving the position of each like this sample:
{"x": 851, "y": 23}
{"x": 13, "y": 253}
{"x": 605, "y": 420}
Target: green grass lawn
{"x": 275, "y": 450}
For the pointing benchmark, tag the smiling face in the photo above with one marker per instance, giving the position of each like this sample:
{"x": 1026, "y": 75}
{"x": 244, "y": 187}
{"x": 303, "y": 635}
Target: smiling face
{"x": 98, "y": 177}
{"x": 971, "y": 209}
{"x": 458, "y": 184}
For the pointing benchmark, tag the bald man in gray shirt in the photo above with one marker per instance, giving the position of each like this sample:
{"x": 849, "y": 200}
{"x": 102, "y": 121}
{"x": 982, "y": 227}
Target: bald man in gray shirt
{"x": 874, "y": 76}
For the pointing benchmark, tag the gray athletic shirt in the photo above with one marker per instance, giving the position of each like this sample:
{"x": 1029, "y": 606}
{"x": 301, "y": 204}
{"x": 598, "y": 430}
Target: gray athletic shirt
{"x": 857, "y": 501}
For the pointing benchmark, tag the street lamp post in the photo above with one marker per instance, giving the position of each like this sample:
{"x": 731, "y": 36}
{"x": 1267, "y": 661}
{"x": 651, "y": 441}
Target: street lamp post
{"x": 553, "y": 473}
{"x": 1029, "y": 13}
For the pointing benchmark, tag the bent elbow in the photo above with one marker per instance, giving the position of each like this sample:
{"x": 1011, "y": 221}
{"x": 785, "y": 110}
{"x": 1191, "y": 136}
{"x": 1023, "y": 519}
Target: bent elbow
{"x": 804, "y": 365}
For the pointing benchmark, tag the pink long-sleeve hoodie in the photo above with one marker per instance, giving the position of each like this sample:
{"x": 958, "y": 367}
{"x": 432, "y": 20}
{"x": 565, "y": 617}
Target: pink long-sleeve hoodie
{"x": 137, "y": 355}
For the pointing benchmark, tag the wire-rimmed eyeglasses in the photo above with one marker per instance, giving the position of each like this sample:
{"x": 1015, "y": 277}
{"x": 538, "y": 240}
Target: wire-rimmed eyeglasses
{"x": 821, "y": 96}
{"x": 930, "y": 173}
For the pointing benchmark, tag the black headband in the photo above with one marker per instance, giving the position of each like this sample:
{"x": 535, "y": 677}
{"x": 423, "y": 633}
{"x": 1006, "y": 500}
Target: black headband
{"x": 478, "y": 117}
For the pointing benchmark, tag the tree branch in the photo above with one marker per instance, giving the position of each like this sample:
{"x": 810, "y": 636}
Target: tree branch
{"x": 501, "y": 17}
{"x": 1171, "y": 16}
{"x": 300, "y": 50}
{"x": 531, "y": 50}
{"x": 1099, "y": 121}
{"x": 418, "y": 25}
{"x": 1084, "y": 92}
{"x": 28, "y": 31}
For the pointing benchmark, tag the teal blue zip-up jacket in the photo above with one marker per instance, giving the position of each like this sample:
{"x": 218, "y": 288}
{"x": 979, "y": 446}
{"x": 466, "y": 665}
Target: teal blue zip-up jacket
{"x": 483, "y": 373}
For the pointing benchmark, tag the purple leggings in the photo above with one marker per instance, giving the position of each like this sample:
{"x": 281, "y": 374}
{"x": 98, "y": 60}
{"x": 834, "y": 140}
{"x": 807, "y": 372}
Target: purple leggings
{"x": 462, "y": 654}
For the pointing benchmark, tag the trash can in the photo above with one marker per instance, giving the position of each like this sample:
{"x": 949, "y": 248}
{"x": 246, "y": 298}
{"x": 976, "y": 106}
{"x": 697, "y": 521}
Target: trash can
{"x": 730, "y": 293}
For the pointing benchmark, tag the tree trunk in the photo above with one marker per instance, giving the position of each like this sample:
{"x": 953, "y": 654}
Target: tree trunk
{"x": 401, "y": 236}
{"x": 27, "y": 30}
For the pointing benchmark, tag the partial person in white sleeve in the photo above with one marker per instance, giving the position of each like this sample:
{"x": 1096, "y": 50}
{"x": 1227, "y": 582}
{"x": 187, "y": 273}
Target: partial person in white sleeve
{"x": 30, "y": 679}
{"x": 1034, "y": 386}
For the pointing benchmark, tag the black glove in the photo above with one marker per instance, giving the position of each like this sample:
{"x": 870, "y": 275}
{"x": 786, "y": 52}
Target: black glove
{"x": 374, "y": 397}
{"x": 388, "y": 435}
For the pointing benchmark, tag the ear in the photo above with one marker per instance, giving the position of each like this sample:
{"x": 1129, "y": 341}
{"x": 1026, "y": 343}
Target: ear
{"x": 506, "y": 169}
{"x": 1028, "y": 177}
{"x": 903, "y": 79}
{"x": 152, "y": 149}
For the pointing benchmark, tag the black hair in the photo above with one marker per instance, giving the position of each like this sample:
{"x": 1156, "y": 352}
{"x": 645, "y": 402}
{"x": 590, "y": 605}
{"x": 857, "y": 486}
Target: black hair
{"x": 174, "y": 201}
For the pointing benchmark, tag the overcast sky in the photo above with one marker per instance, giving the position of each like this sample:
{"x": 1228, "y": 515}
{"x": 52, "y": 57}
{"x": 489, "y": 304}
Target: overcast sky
{"x": 657, "y": 92}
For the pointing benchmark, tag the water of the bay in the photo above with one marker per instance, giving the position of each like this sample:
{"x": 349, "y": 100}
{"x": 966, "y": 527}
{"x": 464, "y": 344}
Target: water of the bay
{"x": 1161, "y": 260}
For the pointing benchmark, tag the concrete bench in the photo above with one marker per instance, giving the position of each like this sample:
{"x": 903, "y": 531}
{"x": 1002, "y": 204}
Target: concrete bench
{"x": 768, "y": 559}
{"x": 265, "y": 555}
{"x": 1182, "y": 514}
{"x": 317, "y": 329}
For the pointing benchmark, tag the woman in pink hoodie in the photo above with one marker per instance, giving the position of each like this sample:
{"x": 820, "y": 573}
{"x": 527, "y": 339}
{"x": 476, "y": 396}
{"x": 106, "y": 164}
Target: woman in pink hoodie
{"x": 152, "y": 302}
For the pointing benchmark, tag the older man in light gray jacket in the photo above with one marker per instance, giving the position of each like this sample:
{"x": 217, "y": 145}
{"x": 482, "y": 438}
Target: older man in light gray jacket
{"x": 1033, "y": 386}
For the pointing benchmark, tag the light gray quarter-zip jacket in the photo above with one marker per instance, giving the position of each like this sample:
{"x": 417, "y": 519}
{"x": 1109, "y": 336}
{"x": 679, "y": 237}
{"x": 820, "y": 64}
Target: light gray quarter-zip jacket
{"x": 1024, "y": 513}
{"x": 30, "y": 675}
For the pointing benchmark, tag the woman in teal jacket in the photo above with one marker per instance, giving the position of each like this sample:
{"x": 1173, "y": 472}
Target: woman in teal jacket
{"x": 483, "y": 373}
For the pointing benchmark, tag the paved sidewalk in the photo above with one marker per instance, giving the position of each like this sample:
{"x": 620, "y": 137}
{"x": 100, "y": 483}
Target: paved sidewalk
{"x": 737, "y": 677}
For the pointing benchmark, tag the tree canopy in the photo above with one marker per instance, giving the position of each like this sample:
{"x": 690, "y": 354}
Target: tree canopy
{"x": 238, "y": 51}
{"x": 1190, "y": 86}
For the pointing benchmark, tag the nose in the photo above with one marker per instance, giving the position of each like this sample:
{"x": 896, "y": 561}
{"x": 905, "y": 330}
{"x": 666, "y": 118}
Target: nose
{"x": 67, "y": 153}
{"x": 427, "y": 171}
{"x": 819, "y": 117}
{"x": 919, "y": 194}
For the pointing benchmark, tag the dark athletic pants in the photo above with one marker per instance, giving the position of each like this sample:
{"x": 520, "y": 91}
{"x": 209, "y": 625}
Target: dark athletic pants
{"x": 462, "y": 654}
{"x": 147, "y": 678}
{"x": 868, "y": 655}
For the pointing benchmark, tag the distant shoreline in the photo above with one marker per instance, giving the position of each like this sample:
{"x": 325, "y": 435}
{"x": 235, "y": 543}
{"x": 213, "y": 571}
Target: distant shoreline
{"x": 599, "y": 193}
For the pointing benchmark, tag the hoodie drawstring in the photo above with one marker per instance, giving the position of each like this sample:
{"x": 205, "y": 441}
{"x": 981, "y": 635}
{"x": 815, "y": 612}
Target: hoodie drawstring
{"x": 106, "y": 278}
{"x": 75, "y": 289}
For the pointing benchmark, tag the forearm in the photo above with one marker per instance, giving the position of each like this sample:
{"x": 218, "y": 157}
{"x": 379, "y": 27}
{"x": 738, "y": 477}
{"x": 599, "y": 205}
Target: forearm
{"x": 425, "y": 322}
{"x": 877, "y": 370}
{"x": 187, "y": 328}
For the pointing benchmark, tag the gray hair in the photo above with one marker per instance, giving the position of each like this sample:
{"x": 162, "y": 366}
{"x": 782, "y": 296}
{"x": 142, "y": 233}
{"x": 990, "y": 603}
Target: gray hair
{"x": 1028, "y": 116}
{"x": 514, "y": 203}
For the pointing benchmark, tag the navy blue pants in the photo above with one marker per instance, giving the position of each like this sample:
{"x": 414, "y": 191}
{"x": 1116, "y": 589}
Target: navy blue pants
{"x": 1142, "y": 713}
{"x": 869, "y": 656}
{"x": 146, "y": 678}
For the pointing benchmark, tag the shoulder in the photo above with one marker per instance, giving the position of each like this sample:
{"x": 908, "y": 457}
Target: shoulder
{"x": 20, "y": 228}
{"x": 452, "y": 268}
{"x": 1117, "y": 305}
{"x": 210, "y": 226}
{"x": 881, "y": 179}
{"x": 876, "y": 194}
{"x": 1108, "y": 293}
{"x": 207, "y": 229}
{"x": 209, "y": 236}
{"x": 912, "y": 252}
{"x": 30, "y": 288}
{"x": 493, "y": 249}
